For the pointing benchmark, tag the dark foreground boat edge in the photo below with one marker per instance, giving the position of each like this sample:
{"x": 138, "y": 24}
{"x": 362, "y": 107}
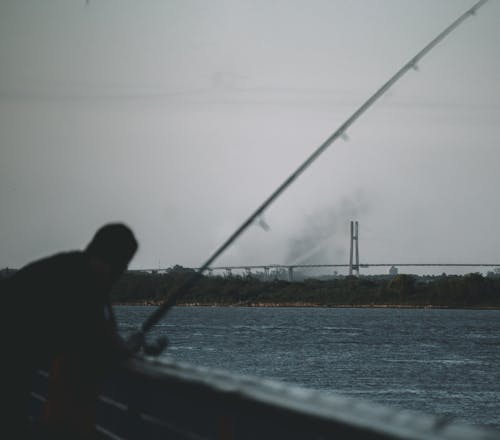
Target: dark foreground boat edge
{"x": 149, "y": 398}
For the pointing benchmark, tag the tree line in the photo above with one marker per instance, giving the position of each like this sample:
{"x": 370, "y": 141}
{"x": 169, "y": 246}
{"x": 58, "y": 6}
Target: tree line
{"x": 457, "y": 291}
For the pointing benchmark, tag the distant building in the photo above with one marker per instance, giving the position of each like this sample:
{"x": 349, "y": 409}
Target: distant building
{"x": 393, "y": 270}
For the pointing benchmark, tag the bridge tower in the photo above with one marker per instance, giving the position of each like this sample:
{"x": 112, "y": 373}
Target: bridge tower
{"x": 354, "y": 249}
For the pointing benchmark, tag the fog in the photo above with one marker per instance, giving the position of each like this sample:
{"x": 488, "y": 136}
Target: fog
{"x": 180, "y": 117}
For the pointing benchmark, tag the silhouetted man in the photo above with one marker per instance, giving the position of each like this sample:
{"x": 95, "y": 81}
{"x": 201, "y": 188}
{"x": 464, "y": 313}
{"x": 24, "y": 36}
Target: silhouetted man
{"x": 57, "y": 312}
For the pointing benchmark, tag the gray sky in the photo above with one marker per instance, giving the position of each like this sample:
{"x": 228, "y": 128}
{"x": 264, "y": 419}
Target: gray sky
{"x": 180, "y": 117}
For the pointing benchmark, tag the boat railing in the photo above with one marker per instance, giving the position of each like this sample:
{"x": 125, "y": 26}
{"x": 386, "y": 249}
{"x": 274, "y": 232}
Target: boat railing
{"x": 164, "y": 399}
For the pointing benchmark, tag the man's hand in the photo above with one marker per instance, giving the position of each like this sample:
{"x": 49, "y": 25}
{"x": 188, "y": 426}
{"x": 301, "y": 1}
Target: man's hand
{"x": 134, "y": 342}
{"x": 155, "y": 348}
{"x": 137, "y": 340}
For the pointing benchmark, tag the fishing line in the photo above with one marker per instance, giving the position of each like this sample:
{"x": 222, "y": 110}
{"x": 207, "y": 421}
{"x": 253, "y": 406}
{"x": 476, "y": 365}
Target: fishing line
{"x": 192, "y": 280}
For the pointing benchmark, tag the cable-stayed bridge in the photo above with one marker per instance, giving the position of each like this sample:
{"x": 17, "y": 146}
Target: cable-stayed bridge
{"x": 271, "y": 270}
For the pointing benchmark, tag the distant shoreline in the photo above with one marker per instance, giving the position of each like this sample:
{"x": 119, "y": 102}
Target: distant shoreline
{"x": 468, "y": 292}
{"x": 309, "y": 305}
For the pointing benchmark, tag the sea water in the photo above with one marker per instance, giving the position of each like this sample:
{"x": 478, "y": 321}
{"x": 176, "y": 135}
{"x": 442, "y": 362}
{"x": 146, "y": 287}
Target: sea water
{"x": 444, "y": 362}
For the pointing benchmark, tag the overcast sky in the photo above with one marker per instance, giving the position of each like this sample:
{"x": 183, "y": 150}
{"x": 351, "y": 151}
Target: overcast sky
{"x": 180, "y": 117}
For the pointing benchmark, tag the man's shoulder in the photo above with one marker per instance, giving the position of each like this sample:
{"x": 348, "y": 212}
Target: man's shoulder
{"x": 62, "y": 263}
{"x": 69, "y": 257}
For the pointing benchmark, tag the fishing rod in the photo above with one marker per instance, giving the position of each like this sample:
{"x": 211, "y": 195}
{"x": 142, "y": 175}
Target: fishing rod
{"x": 139, "y": 338}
